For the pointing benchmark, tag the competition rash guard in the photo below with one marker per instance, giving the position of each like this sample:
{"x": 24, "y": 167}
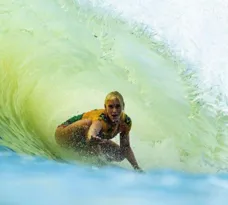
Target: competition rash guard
{"x": 108, "y": 130}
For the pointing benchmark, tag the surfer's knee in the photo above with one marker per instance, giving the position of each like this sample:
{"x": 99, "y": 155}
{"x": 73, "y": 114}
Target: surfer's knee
{"x": 74, "y": 132}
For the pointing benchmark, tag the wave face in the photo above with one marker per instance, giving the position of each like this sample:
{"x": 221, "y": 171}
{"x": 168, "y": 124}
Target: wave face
{"x": 59, "y": 58}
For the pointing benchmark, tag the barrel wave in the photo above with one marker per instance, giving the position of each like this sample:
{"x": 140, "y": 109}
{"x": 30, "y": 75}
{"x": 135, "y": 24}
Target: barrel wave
{"x": 60, "y": 58}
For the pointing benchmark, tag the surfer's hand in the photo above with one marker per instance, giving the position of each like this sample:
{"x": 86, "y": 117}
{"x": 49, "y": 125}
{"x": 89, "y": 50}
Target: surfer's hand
{"x": 138, "y": 169}
{"x": 95, "y": 139}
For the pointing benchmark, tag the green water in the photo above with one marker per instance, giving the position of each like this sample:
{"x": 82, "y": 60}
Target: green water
{"x": 61, "y": 58}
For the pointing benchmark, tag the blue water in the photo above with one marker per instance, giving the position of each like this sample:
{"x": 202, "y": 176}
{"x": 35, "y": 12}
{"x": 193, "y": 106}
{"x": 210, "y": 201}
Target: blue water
{"x": 27, "y": 179}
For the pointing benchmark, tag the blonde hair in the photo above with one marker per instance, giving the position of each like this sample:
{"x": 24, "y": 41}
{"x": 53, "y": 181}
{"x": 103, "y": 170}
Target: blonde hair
{"x": 115, "y": 94}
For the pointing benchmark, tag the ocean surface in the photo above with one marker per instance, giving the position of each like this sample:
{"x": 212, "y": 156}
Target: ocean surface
{"x": 60, "y": 58}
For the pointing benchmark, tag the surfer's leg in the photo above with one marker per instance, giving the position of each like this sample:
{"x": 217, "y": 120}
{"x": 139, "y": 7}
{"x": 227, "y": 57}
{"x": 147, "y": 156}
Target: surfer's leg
{"x": 112, "y": 151}
{"x": 72, "y": 135}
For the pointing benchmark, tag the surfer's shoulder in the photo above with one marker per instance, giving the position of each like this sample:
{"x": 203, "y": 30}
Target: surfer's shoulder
{"x": 126, "y": 121}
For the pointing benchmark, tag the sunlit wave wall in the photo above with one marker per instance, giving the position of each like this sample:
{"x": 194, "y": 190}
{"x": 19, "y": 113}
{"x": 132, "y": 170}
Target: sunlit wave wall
{"x": 60, "y": 58}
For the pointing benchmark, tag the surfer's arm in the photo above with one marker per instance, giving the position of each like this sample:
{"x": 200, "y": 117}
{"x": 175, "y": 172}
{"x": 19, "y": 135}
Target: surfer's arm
{"x": 93, "y": 131}
{"x": 127, "y": 151}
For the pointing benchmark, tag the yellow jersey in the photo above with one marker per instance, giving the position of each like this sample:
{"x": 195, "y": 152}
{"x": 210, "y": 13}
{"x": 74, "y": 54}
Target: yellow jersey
{"x": 108, "y": 130}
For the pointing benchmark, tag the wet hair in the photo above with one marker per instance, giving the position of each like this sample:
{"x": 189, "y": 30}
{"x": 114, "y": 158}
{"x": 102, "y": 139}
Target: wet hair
{"x": 113, "y": 95}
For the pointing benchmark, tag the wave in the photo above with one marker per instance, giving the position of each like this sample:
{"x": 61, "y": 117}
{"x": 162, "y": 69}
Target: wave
{"x": 61, "y": 57}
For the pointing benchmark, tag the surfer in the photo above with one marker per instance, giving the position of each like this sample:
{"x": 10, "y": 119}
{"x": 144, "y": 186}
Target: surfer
{"x": 92, "y": 131}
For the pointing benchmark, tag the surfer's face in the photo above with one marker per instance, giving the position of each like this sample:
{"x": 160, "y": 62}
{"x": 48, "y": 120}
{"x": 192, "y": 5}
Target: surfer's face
{"x": 113, "y": 109}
